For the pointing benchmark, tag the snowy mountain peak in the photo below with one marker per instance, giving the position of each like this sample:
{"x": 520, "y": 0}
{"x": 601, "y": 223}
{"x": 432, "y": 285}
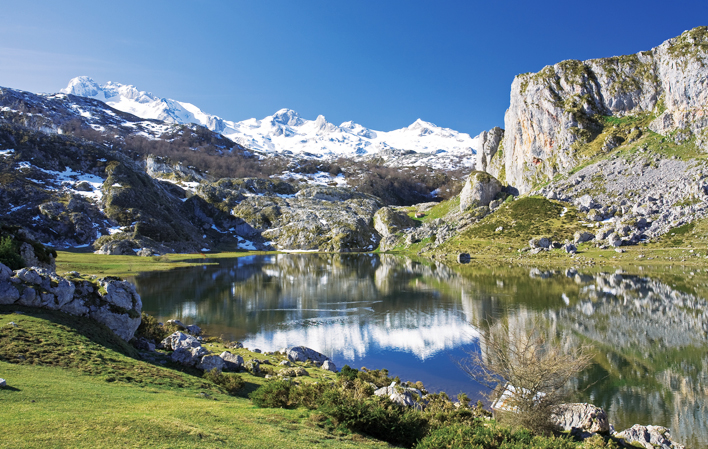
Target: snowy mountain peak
{"x": 287, "y": 117}
{"x": 82, "y": 86}
{"x": 285, "y": 132}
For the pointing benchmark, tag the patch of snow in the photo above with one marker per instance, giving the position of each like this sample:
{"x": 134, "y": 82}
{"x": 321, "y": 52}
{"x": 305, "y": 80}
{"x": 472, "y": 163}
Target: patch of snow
{"x": 6, "y": 152}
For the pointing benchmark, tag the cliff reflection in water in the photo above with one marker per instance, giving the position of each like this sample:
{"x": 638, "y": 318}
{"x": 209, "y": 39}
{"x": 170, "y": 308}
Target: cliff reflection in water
{"x": 414, "y": 317}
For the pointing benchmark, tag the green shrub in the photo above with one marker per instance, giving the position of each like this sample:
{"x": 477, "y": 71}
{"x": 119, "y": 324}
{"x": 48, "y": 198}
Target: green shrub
{"x": 273, "y": 394}
{"x": 373, "y": 416}
{"x": 232, "y": 383}
{"x": 489, "y": 437}
{"x": 150, "y": 329}
{"x": 10, "y": 253}
{"x": 348, "y": 373}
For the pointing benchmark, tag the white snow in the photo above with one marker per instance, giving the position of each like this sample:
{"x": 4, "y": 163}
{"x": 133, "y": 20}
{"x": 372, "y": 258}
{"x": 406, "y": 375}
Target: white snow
{"x": 246, "y": 244}
{"x": 285, "y": 131}
{"x": 6, "y": 152}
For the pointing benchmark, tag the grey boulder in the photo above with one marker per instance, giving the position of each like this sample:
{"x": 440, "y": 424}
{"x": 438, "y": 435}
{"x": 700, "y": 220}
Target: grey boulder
{"x": 650, "y": 437}
{"x": 232, "y": 362}
{"x": 302, "y": 354}
{"x": 210, "y": 362}
{"x": 188, "y": 356}
{"x": 581, "y": 417}
{"x": 479, "y": 190}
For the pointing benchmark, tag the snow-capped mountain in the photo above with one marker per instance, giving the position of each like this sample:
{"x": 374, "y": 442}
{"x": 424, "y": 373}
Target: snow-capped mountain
{"x": 285, "y": 132}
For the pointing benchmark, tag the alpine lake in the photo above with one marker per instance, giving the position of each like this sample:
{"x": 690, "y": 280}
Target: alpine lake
{"x": 419, "y": 317}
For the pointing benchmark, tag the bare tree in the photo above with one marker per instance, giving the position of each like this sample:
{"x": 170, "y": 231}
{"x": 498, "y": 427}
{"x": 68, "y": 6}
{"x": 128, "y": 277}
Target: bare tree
{"x": 528, "y": 369}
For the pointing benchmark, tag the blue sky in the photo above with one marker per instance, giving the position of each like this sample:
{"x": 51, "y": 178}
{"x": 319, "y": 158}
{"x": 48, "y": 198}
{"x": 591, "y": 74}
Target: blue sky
{"x": 380, "y": 63}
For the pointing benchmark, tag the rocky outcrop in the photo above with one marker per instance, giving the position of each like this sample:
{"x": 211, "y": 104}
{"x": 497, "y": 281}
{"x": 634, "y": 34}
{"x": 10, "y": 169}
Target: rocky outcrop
{"x": 316, "y": 218}
{"x": 388, "y": 221}
{"x": 303, "y": 354}
{"x": 400, "y": 395}
{"x": 580, "y": 417}
{"x": 109, "y": 300}
{"x": 490, "y": 141}
{"x": 479, "y": 190}
{"x": 650, "y": 437}
{"x": 553, "y": 111}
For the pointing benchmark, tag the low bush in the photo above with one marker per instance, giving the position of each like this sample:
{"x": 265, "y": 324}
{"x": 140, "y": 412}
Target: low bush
{"x": 232, "y": 383}
{"x": 489, "y": 437}
{"x": 273, "y": 394}
{"x": 10, "y": 254}
{"x": 150, "y": 329}
{"x": 373, "y": 416}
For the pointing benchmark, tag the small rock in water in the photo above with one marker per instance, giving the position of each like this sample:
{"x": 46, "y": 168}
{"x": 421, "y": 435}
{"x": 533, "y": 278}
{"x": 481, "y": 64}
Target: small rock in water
{"x": 463, "y": 258}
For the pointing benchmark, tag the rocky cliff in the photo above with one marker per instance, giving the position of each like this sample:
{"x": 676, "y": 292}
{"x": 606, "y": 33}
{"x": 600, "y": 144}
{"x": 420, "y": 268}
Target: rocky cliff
{"x": 557, "y": 117}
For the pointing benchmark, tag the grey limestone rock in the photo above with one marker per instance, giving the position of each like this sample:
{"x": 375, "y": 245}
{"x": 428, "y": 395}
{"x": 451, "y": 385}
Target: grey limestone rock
{"x": 194, "y": 329}
{"x": 329, "y": 366}
{"x": 179, "y": 340}
{"x": 650, "y": 437}
{"x": 388, "y": 221}
{"x": 232, "y": 362}
{"x": 582, "y": 237}
{"x": 303, "y": 354}
{"x": 570, "y": 248}
{"x": 540, "y": 243}
{"x": 581, "y": 417}
{"x": 490, "y": 141}
{"x": 210, "y": 362}
{"x": 5, "y": 272}
{"x": 399, "y": 395}
{"x": 188, "y": 356}
{"x": 479, "y": 190}
{"x": 122, "y": 324}
{"x": 540, "y": 130}
{"x": 3, "y": 383}
{"x": 8, "y": 293}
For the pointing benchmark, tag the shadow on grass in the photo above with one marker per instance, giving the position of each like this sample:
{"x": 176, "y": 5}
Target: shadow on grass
{"x": 53, "y": 345}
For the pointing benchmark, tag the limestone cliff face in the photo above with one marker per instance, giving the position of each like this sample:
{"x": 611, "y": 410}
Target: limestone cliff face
{"x": 555, "y": 110}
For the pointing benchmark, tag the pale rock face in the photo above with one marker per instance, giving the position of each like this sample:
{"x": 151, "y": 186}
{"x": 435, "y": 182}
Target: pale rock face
{"x": 8, "y": 293}
{"x": 388, "y": 222}
{"x": 329, "y": 366}
{"x": 489, "y": 141}
{"x": 650, "y": 437}
{"x": 120, "y": 323}
{"x": 549, "y": 111}
{"x": 581, "y": 416}
{"x": 188, "y": 356}
{"x": 399, "y": 395}
{"x": 180, "y": 340}
{"x": 479, "y": 190}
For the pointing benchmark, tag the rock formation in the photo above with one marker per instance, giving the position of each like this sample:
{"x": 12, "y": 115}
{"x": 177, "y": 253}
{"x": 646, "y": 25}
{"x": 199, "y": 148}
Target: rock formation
{"x": 109, "y": 300}
{"x": 555, "y": 110}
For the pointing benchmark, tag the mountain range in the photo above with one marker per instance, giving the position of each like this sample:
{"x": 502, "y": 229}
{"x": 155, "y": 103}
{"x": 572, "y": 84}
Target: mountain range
{"x": 285, "y": 132}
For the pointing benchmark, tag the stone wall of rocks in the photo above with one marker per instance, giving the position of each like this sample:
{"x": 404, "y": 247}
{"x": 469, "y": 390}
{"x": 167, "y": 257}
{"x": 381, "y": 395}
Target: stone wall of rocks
{"x": 109, "y": 300}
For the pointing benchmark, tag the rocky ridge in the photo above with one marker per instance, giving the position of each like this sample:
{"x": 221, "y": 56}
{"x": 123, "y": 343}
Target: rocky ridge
{"x": 554, "y": 112}
{"x": 109, "y": 301}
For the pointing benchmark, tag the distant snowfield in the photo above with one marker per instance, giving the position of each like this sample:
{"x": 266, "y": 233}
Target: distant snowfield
{"x": 286, "y": 133}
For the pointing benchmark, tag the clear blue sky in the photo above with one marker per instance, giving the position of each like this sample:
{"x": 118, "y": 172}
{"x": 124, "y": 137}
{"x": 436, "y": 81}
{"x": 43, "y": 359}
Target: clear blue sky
{"x": 380, "y": 63}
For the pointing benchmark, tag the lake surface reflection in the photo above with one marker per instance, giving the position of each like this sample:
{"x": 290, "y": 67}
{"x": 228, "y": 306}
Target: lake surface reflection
{"x": 416, "y": 318}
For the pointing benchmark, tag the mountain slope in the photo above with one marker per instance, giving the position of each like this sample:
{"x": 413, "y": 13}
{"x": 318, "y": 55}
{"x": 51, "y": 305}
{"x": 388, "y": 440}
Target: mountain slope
{"x": 285, "y": 132}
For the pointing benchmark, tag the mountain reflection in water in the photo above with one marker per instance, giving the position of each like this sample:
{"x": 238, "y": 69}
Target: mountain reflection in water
{"x": 417, "y": 317}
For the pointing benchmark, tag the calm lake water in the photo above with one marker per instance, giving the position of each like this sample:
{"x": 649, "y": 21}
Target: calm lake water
{"x": 417, "y": 318}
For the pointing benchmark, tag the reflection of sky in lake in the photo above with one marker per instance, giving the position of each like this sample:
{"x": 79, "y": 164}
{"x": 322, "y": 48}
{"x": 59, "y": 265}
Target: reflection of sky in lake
{"x": 416, "y": 319}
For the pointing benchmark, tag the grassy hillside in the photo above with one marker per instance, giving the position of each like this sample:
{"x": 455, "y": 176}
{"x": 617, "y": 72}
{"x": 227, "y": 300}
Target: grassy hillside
{"x": 72, "y": 383}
